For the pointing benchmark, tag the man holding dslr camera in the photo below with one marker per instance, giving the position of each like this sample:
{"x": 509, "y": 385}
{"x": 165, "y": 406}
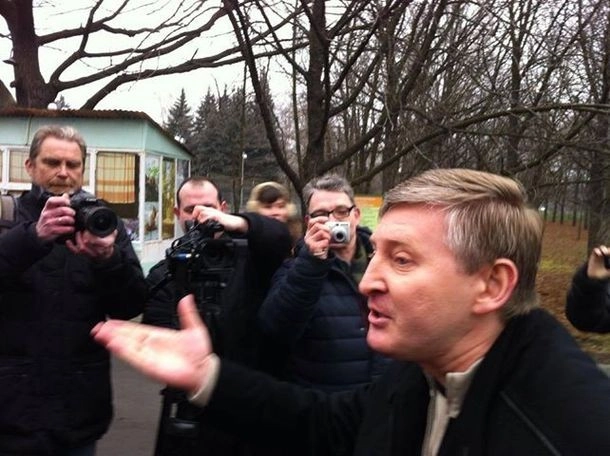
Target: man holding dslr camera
{"x": 314, "y": 307}
{"x": 56, "y": 283}
{"x": 255, "y": 246}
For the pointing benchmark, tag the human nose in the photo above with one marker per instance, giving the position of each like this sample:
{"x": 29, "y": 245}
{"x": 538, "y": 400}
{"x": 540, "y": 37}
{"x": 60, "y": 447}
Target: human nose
{"x": 63, "y": 170}
{"x": 372, "y": 280}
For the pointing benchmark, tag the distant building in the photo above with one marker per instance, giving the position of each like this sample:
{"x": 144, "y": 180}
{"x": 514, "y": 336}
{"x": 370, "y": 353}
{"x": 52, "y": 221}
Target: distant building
{"x": 132, "y": 163}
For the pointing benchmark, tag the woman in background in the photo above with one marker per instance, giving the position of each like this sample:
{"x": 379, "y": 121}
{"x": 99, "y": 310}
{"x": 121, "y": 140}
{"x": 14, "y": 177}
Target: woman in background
{"x": 273, "y": 200}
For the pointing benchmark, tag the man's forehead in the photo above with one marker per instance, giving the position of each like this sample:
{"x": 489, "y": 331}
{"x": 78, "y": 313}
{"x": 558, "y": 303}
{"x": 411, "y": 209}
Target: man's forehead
{"x": 53, "y": 147}
{"x": 320, "y": 197}
{"x": 403, "y": 222}
{"x": 199, "y": 194}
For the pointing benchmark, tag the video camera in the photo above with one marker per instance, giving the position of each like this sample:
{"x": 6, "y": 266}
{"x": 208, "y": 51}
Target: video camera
{"x": 198, "y": 255}
{"x": 200, "y": 263}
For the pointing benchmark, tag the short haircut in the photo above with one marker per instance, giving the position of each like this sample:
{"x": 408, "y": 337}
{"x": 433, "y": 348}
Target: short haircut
{"x": 65, "y": 132}
{"x": 197, "y": 180}
{"x": 487, "y": 218}
{"x": 329, "y": 183}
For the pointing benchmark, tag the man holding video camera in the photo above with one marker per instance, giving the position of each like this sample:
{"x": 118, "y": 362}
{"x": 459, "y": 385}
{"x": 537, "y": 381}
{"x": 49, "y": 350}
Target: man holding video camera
{"x": 65, "y": 265}
{"x": 228, "y": 299}
{"x": 314, "y": 307}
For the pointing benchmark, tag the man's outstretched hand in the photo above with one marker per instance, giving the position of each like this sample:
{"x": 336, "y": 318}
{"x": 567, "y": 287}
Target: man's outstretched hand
{"x": 179, "y": 358}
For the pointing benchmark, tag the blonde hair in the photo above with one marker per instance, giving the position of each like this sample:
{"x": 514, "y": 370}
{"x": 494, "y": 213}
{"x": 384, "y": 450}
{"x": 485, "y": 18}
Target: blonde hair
{"x": 267, "y": 193}
{"x": 487, "y": 218}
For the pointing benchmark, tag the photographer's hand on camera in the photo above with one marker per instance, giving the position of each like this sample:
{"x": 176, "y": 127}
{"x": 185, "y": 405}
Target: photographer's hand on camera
{"x": 56, "y": 219}
{"x": 94, "y": 247}
{"x": 317, "y": 237}
{"x": 597, "y": 266}
{"x": 231, "y": 223}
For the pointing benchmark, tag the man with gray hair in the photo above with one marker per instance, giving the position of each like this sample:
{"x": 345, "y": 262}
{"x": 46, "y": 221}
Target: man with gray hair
{"x": 314, "y": 308}
{"x": 480, "y": 370}
{"x": 57, "y": 280}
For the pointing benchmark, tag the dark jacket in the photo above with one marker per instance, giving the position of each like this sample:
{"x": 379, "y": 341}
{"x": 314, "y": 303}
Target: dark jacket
{"x": 588, "y": 303}
{"x": 54, "y": 379}
{"x": 230, "y": 313}
{"x": 534, "y": 393}
{"x": 314, "y": 309}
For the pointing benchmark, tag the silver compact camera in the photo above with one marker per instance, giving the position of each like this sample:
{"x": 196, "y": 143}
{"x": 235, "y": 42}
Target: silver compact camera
{"x": 339, "y": 232}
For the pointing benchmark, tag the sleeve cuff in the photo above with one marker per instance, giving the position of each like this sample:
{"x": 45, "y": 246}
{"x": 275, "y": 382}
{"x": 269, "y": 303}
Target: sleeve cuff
{"x": 202, "y": 396}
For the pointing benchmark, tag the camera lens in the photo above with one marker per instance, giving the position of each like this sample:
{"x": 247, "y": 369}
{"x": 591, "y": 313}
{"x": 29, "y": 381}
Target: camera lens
{"x": 339, "y": 236}
{"x": 100, "y": 221}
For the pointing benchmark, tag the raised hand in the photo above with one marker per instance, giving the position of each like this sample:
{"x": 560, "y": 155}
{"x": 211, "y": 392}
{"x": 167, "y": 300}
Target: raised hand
{"x": 179, "y": 358}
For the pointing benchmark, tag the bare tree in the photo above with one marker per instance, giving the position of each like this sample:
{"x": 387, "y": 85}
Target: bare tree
{"x": 141, "y": 39}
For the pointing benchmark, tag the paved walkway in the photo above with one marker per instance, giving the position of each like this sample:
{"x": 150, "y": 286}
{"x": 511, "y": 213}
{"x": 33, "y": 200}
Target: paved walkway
{"x": 136, "y": 411}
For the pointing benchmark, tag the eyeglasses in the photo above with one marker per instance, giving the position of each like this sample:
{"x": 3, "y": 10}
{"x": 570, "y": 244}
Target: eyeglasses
{"x": 339, "y": 213}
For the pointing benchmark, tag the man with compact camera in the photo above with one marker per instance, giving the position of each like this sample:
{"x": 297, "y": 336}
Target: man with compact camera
{"x": 66, "y": 265}
{"x": 227, "y": 260}
{"x": 588, "y": 301}
{"x": 314, "y": 307}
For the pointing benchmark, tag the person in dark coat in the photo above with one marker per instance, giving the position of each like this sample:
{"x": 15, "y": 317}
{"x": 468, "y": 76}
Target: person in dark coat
{"x": 480, "y": 369}
{"x": 314, "y": 308}
{"x": 588, "y": 300}
{"x": 230, "y": 309}
{"x": 55, "y": 285}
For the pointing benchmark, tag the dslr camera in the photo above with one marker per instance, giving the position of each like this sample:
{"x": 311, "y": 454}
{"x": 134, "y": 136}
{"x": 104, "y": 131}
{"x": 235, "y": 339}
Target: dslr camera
{"x": 93, "y": 215}
{"x": 339, "y": 232}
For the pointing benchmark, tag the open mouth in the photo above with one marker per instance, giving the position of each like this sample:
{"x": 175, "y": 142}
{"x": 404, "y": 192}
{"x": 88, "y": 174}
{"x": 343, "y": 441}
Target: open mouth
{"x": 377, "y": 318}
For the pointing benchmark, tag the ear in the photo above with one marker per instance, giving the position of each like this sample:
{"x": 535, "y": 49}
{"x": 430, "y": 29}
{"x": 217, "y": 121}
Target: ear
{"x": 498, "y": 283}
{"x": 176, "y": 211}
{"x": 29, "y": 166}
{"x": 223, "y": 206}
{"x": 357, "y": 215}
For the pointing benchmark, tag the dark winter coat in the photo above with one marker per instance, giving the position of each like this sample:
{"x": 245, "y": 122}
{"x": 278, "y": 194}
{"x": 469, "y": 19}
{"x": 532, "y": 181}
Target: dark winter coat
{"x": 534, "y": 393}
{"x": 314, "y": 309}
{"x": 54, "y": 379}
{"x": 588, "y": 303}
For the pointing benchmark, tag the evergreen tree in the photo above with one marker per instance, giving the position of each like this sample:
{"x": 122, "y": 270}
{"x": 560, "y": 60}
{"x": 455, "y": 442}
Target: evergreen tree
{"x": 180, "y": 121}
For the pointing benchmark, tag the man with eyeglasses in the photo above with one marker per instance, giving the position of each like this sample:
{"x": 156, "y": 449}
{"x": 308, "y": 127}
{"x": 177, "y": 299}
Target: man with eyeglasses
{"x": 314, "y": 308}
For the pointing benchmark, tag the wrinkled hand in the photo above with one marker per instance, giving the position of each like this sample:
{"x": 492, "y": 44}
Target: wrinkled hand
{"x": 94, "y": 247}
{"x": 176, "y": 358}
{"x": 232, "y": 223}
{"x": 56, "y": 219}
{"x": 596, "y": 268}
{"x": 317, "y": 237}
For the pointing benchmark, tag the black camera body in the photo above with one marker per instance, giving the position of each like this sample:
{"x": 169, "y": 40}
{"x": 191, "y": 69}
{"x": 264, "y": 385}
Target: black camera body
{"x": 198, "y": 253}
{"x": 93, "y": 215}
{"x": 607, "y": 261}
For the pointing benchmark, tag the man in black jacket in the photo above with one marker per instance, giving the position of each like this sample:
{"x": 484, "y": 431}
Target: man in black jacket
{"x": 254, "y": 246}
{"x": 55, "y": 285}
{"x": 314, "y": 308}
{"x": 451, "y": 295}
{"x": 588, "y": 301}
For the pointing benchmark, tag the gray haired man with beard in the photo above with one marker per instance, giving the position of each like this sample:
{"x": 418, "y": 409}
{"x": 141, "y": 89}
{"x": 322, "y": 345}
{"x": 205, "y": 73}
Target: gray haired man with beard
{"x": 56, "y": 283}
